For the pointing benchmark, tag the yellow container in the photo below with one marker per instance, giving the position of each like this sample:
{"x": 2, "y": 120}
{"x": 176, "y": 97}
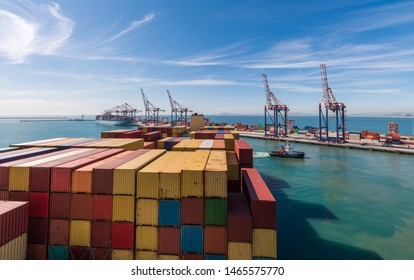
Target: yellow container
{"x": 233, "y": 171}
{"x": 192, "y": 178}
{"x": 19, "y": 178}
{"x": 161, "y": 143}
{"x": 146, "y": 238}
{"x": 147, "y": 212}
{"x": 181, "y": 146}
{"x": 264, "y": 243}
{"x": 16, "y": 249}
{"x": 164, "y": 135}
{"x": 148, "y": 177}
{"x": 229, "y": 142}
{"x": 170, "y": 177}
{"x": 118, "y": 254}
{"x": 239, "y": 251}
{"x": 146, "y": 255}
{"x": 125, "y": 174}
{"x": 193, "y": 145}
{"x": 123, "y": 208}
{"x": 216, "y": 175}
{"x": 169, "y": 257}
{"x": 80, "y": 233}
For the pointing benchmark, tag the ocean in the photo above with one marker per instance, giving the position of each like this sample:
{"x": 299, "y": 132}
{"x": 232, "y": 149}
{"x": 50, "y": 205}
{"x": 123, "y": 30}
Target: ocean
{"x": 335, "y": 204}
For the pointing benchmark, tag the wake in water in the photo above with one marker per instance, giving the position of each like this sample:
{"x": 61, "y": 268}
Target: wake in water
{"x": 260, "y": 154}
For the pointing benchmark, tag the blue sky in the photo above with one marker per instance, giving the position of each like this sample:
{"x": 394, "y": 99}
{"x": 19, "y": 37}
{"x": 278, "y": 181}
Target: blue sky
{"x": 71, "y": 57}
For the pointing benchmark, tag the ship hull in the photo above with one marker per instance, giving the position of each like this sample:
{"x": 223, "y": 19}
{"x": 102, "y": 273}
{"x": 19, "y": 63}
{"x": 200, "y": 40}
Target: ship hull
{"x": 115, "y": 123}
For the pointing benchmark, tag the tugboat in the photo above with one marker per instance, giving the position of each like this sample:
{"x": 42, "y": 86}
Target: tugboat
{"x": 287, "y": 152}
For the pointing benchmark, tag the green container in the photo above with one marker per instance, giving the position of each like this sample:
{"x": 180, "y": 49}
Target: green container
{"x": 215, "y": 212}
{"x": 296, "y": 131}
{"x": 58, "y": 252}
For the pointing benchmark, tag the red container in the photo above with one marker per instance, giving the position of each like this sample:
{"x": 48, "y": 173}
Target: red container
{"x": 215, "y": 240}
{"x": 219, "y": 136}
{"x": 18, "y": 196}
{"x": 244, "y": 152}
{"x": 133, "y": 134}
{"x": 14, "y": 217}
{"x": 4, "y": 168}
{"x": 151, "y": 136}
{"x": 80, "y": 253}
{"x": 38, "y": 205}
{"x": 261, "y": 201}
{"x": 101, "y": 234}
{"x": 192, "y": 211}
{"x": 123, "y": 235}
{"x": 4, "y": 178}
{"x": 61, "y": 175}
{"x": 191, "y": 256}
{"x": 40, "y": 174}
{"x": 102, "y": 253}
{"x": 59, "y": 206}
{"x": 38, "y": 229}
{"x": 36, "y": 252}
{"x": 150, "y": 145}
{"x": 4, "y": 195}
{"x": 169, "y": 240}
{"x": 102, "y": 207}
{"x": 239, "y": 219}
{"x": 81, "y": 206}
{"x": 102, "y": 176}
{"x": 58, "y": 232}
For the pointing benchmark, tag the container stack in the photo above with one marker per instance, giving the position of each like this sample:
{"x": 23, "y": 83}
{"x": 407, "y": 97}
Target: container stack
{"x": 191, "y": 203}
{"x": 215, "y": 206}
{"x": 14, "y": 217}
{"x": 263, "y": 210}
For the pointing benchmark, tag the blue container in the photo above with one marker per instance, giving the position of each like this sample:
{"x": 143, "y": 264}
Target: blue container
{"x": 169, "y": 213}
{"x": 192, "y": 239}
{"x": 169, "y": 144}
{"x": 220, "y": 131}
{"x": 58, "y": 252}
{"x": 215, "y": 257}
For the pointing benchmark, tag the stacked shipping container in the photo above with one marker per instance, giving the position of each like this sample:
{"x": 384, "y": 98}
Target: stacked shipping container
{"x": 145, "y": 204}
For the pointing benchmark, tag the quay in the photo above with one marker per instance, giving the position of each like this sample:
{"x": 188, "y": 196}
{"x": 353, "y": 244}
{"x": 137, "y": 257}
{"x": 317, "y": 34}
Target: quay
{"x": 363, "y": 144}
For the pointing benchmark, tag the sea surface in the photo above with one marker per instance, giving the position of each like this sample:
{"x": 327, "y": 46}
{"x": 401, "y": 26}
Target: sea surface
{"x": 334, "y": 204}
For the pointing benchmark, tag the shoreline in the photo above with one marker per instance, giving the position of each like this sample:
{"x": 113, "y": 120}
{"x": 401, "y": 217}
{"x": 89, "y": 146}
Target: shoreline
{"x": 367, "y": 145}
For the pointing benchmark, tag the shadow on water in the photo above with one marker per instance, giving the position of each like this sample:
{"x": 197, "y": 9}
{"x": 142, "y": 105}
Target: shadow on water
{"x": 296, "y": 238}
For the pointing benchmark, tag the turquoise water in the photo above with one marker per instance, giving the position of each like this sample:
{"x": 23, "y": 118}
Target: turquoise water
{"x": 334, "y": 204}
{"x": 339, "y": 203}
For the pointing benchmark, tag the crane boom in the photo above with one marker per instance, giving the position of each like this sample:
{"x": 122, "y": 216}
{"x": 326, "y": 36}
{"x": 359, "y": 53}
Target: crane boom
{"x": 328, "y": 97}
{"x": 271, "y": 100}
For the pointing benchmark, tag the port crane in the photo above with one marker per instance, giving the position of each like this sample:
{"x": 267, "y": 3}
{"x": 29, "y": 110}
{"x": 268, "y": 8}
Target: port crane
{"x": 178, "y": 112}
{"x": 151, "y": 111}
{"x": 120, "y": 112}
{"x": 329, "y": 104}
{"x": 274, "y": 109}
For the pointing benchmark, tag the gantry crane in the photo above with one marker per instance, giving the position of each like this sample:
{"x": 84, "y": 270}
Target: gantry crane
{"x": 330, "y": 103}
{"x": 151, "y": 112}
{"x": 278, "y": 109}
{"x": 178, "y": 112}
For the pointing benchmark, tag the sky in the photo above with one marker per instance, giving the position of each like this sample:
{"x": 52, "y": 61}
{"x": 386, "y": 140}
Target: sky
{"x": 73, "y": 57}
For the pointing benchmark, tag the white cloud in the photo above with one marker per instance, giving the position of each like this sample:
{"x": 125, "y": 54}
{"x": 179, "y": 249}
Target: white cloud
{"x": 132, "y": 26}
{"x": 33, "y": 30}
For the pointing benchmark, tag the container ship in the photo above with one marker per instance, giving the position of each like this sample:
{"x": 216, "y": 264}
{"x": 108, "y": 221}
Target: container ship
{"x": 121, "y": 115}
{"x": 150, "y": 194}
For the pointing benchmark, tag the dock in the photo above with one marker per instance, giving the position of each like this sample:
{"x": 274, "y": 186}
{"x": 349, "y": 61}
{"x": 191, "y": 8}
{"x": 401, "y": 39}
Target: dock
{"x": 367, "y": 145}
